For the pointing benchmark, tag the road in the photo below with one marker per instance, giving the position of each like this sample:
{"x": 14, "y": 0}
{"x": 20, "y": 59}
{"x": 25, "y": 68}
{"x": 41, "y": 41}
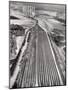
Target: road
{"x": 41, "y": 68}
{"x": 48, "y": 72}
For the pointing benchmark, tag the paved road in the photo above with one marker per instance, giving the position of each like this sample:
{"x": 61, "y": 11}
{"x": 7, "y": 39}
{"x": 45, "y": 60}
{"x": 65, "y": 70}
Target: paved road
{"x": 47, "y": 69}
{"x": 41, "y": 69}
{"x": 39, "y": 66}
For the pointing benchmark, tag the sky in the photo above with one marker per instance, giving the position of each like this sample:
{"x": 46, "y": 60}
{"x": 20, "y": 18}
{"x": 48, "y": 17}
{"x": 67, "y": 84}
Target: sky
{"x": 38, "y": 6}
